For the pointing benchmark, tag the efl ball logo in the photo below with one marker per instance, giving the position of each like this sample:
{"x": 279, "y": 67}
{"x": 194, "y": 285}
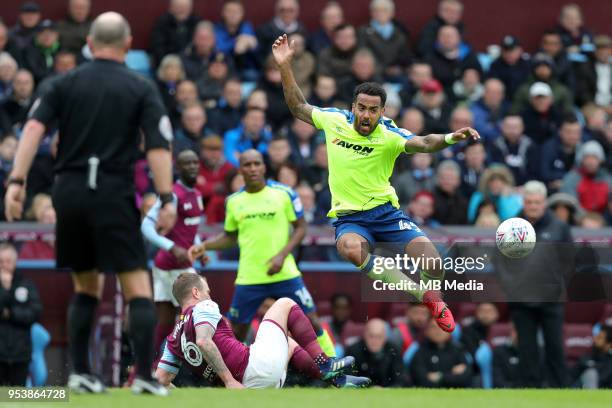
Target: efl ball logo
{"x": 515, "y": 238}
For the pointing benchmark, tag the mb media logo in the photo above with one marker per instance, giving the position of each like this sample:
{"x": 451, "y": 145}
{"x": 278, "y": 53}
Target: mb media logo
{"x": 362, "y": 150}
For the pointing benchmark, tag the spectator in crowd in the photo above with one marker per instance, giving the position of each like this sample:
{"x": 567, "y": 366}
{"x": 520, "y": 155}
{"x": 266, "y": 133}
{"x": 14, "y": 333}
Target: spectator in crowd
{"x": 512, "y": 67}
{"x": 574, "y": 35}
{"x": 595, "y": 125}
{"x": 393, "y": 105}
{"x": 234, "y": 181}
{"x": 534, "y": 308}
{"x": 387, "y": 41}
{"x": 8, "y": 69}
{"x": 198, "y": 55}
{"x": 8, "y": 148}
{"x": 174, "y": 30}
{"x": 20, "y": 307}
{"x": 607, "y": 143}
{"x": 236, "y": 37}
{"x": 341, "y": 309}
{"x": 467, "y": 89}
{"x": 363, "y": 69}
{"x": 589, "y": 182}
{"x": 303, "y": 64}
{"x": 431, "y": 101}
{"x": 278, "y": 113}
{"x": 307, "y": 197}
{"x": 6, "y": 43}
{"x": 211, "y": 180}
{"x": 169, "y": 73}
{"x": 418, "y": 73}
{"x": 421, "y": 209}
{"x": 16, "y": 107}
{"x": 413, "y": 120}
{"x": 461, "y": 117}
{"x": 489, "y": 111}
{"x": 288, "y": 174}
{"x": 64, "y": 61}
{"x": 474, "y": 338}
{"x": 496, "y": 185}
{"x": 473, "y": 165}
{"x": 210, "y": 85}
{"x": 552, "y": 46}
{"x": 73, "y": 30}
{"x": 450, "y": 12}
{"x": 285, "y": 21}
{"x": 419, "y": 177}
{"x": 451, "y": 57}
{"x": 515, "y": 150}
{"x": 251, "y": 134}
{"x": 541, "y": 118}
{"x": 565, "y": 207}
{"x": 257, "y": 99}
{"x": 186, "y": 94}
{"x": 506, "y": 367}
{"x": 335, "y": 61}
{"x": 317, "y": 174}
{"x": 558, "y": 155}
{"x": 303, "y": 141}
{"x": 439, "y": 362}
{"x": 409, "y": 330}
{"x": 488, "y": 220}
{"x": 193, "y": 128}
{"x": 594, "y": 369}
{"x": 592, "y": 220}
{"x": 543, "y": 71}
{"x": 26, "y": 28}
{"x": 38, "y": 56}
{"x": 279, "y": 153}
{"x": 324, "y": 93}
{"x": 332, "y": 16}
{"x": 227, "y": 113}
{"x": 42, "y": 212}
{"x": 450, "y": 204}
{"x": 377, "y": 357}
{"x": 593, "y": 76}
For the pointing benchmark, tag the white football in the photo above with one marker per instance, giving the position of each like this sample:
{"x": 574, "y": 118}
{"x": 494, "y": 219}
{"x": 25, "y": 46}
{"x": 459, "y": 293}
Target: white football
{"x": 515, "y": 238}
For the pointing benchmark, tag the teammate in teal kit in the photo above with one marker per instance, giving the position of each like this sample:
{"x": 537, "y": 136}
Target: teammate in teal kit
{"x": 362, "y": 146}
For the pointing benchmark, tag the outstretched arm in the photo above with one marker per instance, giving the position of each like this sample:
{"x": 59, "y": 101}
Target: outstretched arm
{"x": 283, "y": 52}
{"x": 435, "y": 142}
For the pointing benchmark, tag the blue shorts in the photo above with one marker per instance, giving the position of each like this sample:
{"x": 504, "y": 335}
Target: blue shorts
{"x": 248, "y": 298}
{"x": 384, "y": 223}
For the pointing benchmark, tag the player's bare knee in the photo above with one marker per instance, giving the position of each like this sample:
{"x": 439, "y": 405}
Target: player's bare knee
{"x": 286, "y": 302}
{"x": 352, "y": 250}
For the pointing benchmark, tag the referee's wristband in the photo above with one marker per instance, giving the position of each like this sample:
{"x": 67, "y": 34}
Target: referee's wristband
{"x": 448, "y": 138}
{"x": 166, "y": 198}
{"x": 15, "y": 180}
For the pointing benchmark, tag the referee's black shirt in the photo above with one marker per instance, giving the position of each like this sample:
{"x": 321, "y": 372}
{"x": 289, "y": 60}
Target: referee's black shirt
{"x": 101, "y": 108}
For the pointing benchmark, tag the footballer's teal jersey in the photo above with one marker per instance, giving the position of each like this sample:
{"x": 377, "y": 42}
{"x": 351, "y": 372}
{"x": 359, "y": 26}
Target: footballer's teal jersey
{"x": 359, "y": 166}
{"x": 263, "y": 223}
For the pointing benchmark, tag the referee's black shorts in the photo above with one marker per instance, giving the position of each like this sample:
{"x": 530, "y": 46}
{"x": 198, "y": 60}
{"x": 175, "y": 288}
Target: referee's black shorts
{"x": 97, "y": 229}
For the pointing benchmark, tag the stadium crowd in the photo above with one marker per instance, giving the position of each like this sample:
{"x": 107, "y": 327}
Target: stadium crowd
{"x": 545, "y": 116}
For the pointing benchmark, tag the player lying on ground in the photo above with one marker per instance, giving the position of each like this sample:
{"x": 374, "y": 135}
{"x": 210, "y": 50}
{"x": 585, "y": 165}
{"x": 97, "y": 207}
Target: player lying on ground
{"x": 172, "y": 258}
{"x": 266, "y": 219}
{"x": 362, "y": 146}
{"x": 203, "y": 340}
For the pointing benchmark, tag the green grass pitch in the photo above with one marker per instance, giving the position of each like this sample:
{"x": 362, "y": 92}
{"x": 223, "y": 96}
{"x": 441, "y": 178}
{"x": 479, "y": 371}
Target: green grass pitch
{"x": 323, "y": 398}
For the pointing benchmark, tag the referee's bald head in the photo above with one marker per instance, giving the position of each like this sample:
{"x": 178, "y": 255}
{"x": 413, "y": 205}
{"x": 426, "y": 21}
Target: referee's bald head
{"x": 110, "y": 30}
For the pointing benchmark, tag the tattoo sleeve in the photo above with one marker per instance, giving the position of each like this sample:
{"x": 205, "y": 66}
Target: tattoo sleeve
{"x": 294, "y": 97}
{"x": 426, "y": 144}
{"x": 204, "y": 334}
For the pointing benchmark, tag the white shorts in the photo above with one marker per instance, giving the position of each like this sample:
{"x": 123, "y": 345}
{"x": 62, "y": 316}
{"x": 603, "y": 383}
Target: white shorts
{"x": 268, "y": 356}
{"x": 162, "y": 284}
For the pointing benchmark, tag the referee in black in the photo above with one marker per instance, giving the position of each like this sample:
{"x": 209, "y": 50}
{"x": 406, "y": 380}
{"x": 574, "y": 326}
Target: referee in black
{"x": 101, "y": 109}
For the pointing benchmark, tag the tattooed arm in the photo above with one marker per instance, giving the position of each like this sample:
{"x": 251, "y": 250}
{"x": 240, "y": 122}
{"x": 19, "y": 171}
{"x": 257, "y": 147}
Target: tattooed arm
{"x": 283, "y": 52}
{"x": 204, "y": 340}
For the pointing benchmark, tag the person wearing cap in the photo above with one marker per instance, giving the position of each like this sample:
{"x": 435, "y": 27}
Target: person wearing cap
{"x": 211, "y": 179}
{"x": 26, "y": 28}
{"x": 541, "y": 117}
{"x": 543, "y": 71}
{"x": 512, "y": 67}
{"x": 431, "y": 101}
{"x": 558, "y": 154}
{"x": 594, "y": 83}
{"x": 38, "y": 56}
{"x": 565, "y": 207}
{"x": 74, "y": 28}
{"x": 589, "y": 182}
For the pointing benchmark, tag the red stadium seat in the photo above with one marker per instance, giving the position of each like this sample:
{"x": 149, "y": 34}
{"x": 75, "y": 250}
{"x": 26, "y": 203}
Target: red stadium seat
{"x": 398, "y": 310}
{"x": 352, "y": 333}
{"x": 499, "y": 334}
{"x": 584, "y": 312}
{"x": 577, "y": 340}
{"x": 607, "y": 313}
{"x": 324, "y": 308}
{"x": 465, "y": 312}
